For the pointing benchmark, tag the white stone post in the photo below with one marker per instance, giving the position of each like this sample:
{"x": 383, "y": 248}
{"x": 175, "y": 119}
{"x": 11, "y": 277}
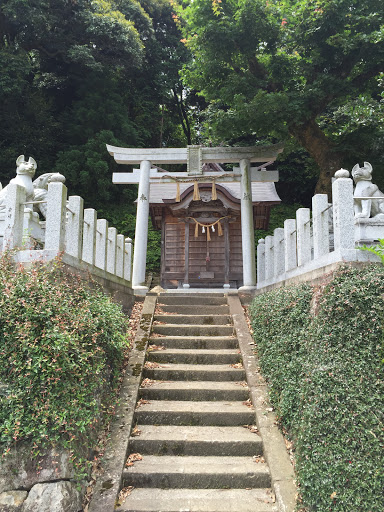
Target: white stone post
{"x": 261, "y": 261}
{"x": 89, "y": 235}
{"x": 74, "y": 227}
{"x": 303, "y": 228}
{"x": 269, "y": 258}
{"x": 128, "y": 259}
{"x": 247, "y": 230}
{"x": 141, "y": 231}
{"x": 320, "y": 215}
{"x": 56, "y": 217}
{"x": 101, "y": 243}
{"x": 120, "y": 256}
{"x": 111, "y": 250}
{"x": 290, "y": 246}
{"x": 343, "y": 214}
{"x": 14, "y": 216}
{"x": 279, "y": 258}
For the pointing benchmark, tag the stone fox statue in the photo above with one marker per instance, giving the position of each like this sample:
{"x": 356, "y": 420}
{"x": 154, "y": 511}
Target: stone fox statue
{"x": 25, "y": 171}
{"x": 365, "y": 208}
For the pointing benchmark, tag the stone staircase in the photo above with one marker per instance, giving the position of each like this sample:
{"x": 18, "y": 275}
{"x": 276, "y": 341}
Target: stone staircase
{"x": 194, "y": 446}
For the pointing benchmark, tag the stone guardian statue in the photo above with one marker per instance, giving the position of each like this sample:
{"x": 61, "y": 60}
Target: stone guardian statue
{"x": 366, "y": 208}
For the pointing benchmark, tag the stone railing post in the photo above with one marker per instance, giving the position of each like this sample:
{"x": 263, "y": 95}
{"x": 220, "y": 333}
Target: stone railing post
{"x": 261, "y": 260}
{"x": 101, "y": 243}
{"x": 128, "y": 259}
{"x": 111, "y": 250}
{"x": 120, "y": 255}
{"x": 303, "y": 228}
{"x": 74, "y": 227}
{"x": 56, "y": 217}
{"x": 320, "y": 215}
{"x": 290, "y": 246}
{"x": 89, "y": 235}
{"x": 269, "y": 257}
{"x": 279, "y": 259}
{"x": 14, "y": 216}
{"x": 343, "y": 213}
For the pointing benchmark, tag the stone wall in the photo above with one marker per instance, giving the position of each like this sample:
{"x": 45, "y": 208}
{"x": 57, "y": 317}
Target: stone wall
{"x": 43, "y": 483}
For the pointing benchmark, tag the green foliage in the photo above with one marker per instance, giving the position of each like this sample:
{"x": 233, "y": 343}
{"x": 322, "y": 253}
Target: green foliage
{"x": 62, "y": 346}
{"x": 104, "y": 74}
{"x": 291, "y": 67}
{"x": 321, "y": 353}
{"x": 375, "y": 249}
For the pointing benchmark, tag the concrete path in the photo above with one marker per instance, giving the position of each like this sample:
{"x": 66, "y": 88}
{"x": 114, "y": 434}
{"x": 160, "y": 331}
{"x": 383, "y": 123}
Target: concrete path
{"x": 203, "y": 438}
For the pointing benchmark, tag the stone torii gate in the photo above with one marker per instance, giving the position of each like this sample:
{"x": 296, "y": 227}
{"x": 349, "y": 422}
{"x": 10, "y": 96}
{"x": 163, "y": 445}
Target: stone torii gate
{"x": 194, "y": 157}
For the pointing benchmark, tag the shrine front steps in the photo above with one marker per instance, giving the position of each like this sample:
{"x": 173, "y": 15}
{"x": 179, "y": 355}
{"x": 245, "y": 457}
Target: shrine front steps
{"x": 197, "y": 453}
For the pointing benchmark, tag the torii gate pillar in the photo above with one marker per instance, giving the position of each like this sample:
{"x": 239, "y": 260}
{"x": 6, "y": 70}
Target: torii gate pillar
{"x": 141, "y": 231}
{"x": 247, "y": 231}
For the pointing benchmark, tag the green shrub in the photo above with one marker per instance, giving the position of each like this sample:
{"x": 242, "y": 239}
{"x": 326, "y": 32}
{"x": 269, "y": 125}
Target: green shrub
{"x": 328, "y": 387}
{"x": 62, "y": 345}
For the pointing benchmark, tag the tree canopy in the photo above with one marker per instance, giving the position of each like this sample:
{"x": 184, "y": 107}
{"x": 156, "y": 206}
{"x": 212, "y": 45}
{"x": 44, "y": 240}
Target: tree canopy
{"x": 307, "y": 69}
{"x": 76, "y": 74}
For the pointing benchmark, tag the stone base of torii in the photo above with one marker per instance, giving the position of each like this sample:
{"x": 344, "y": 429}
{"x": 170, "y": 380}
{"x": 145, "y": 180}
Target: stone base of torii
{"x": 194, "y": 157}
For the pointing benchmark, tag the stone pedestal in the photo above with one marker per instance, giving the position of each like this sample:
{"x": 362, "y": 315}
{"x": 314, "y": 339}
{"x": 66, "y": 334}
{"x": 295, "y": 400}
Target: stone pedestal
{"x": 368, "y": 230}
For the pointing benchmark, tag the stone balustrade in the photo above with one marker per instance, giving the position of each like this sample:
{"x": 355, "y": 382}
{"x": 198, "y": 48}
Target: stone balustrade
{"x": 316, "y": 241}
{"x": 84, "y": 241}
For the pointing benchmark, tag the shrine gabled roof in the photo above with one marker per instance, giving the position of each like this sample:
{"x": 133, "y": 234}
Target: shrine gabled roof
{"x": 261, "y": 191}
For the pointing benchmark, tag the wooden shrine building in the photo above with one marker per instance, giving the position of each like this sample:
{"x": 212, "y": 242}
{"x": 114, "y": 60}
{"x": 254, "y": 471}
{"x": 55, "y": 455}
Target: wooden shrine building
{"x": 201, "y": 229}
{"x": 207, "y": 215}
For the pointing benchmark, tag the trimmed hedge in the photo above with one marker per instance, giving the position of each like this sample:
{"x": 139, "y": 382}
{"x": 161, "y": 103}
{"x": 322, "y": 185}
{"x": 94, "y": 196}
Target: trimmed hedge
{"x": 62, "y": 346}
{"x": 321, "y": 352}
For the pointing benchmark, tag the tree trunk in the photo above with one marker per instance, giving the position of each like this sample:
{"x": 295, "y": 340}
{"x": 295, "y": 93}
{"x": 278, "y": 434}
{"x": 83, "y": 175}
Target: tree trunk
{"x": 322, "y": 150}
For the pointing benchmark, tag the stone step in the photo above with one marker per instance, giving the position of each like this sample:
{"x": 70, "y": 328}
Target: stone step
{"x": 196, "y": 310}
{"x": 199, "y": 500}
{"x": 202, "y": 441}
{"x": 193, "y": 330}
{"x": 205, "y": 319}
{"x": 219, "y": 372}
{"x": 206, "y": 293}
{"x": 197, "y": 472}
{"x": 195, "y": 390}
{"x": 196, "y": 342}
{"x": 191, "y": 356}
{"x": 185, "y": 412}
{"x": 189, "y": 300}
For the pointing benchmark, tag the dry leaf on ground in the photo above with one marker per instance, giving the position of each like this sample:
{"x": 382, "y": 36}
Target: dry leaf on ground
{"x": 150, "y": 364}
{"x": 135, "y": 432}
{"x": 236, "y": 365}
{"x": 146, "y": 383}
{"x": 142, "y": 402}
{"x": 258, "y": 458}
{"x": 134, "y": 457}
{"x": 252, "y": 428}
{"x": 155, "y": 347}
{"x": 123, "y": 495}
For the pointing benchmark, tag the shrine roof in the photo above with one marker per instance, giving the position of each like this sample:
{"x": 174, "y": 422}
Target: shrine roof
{"x": 261, "y": 191}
